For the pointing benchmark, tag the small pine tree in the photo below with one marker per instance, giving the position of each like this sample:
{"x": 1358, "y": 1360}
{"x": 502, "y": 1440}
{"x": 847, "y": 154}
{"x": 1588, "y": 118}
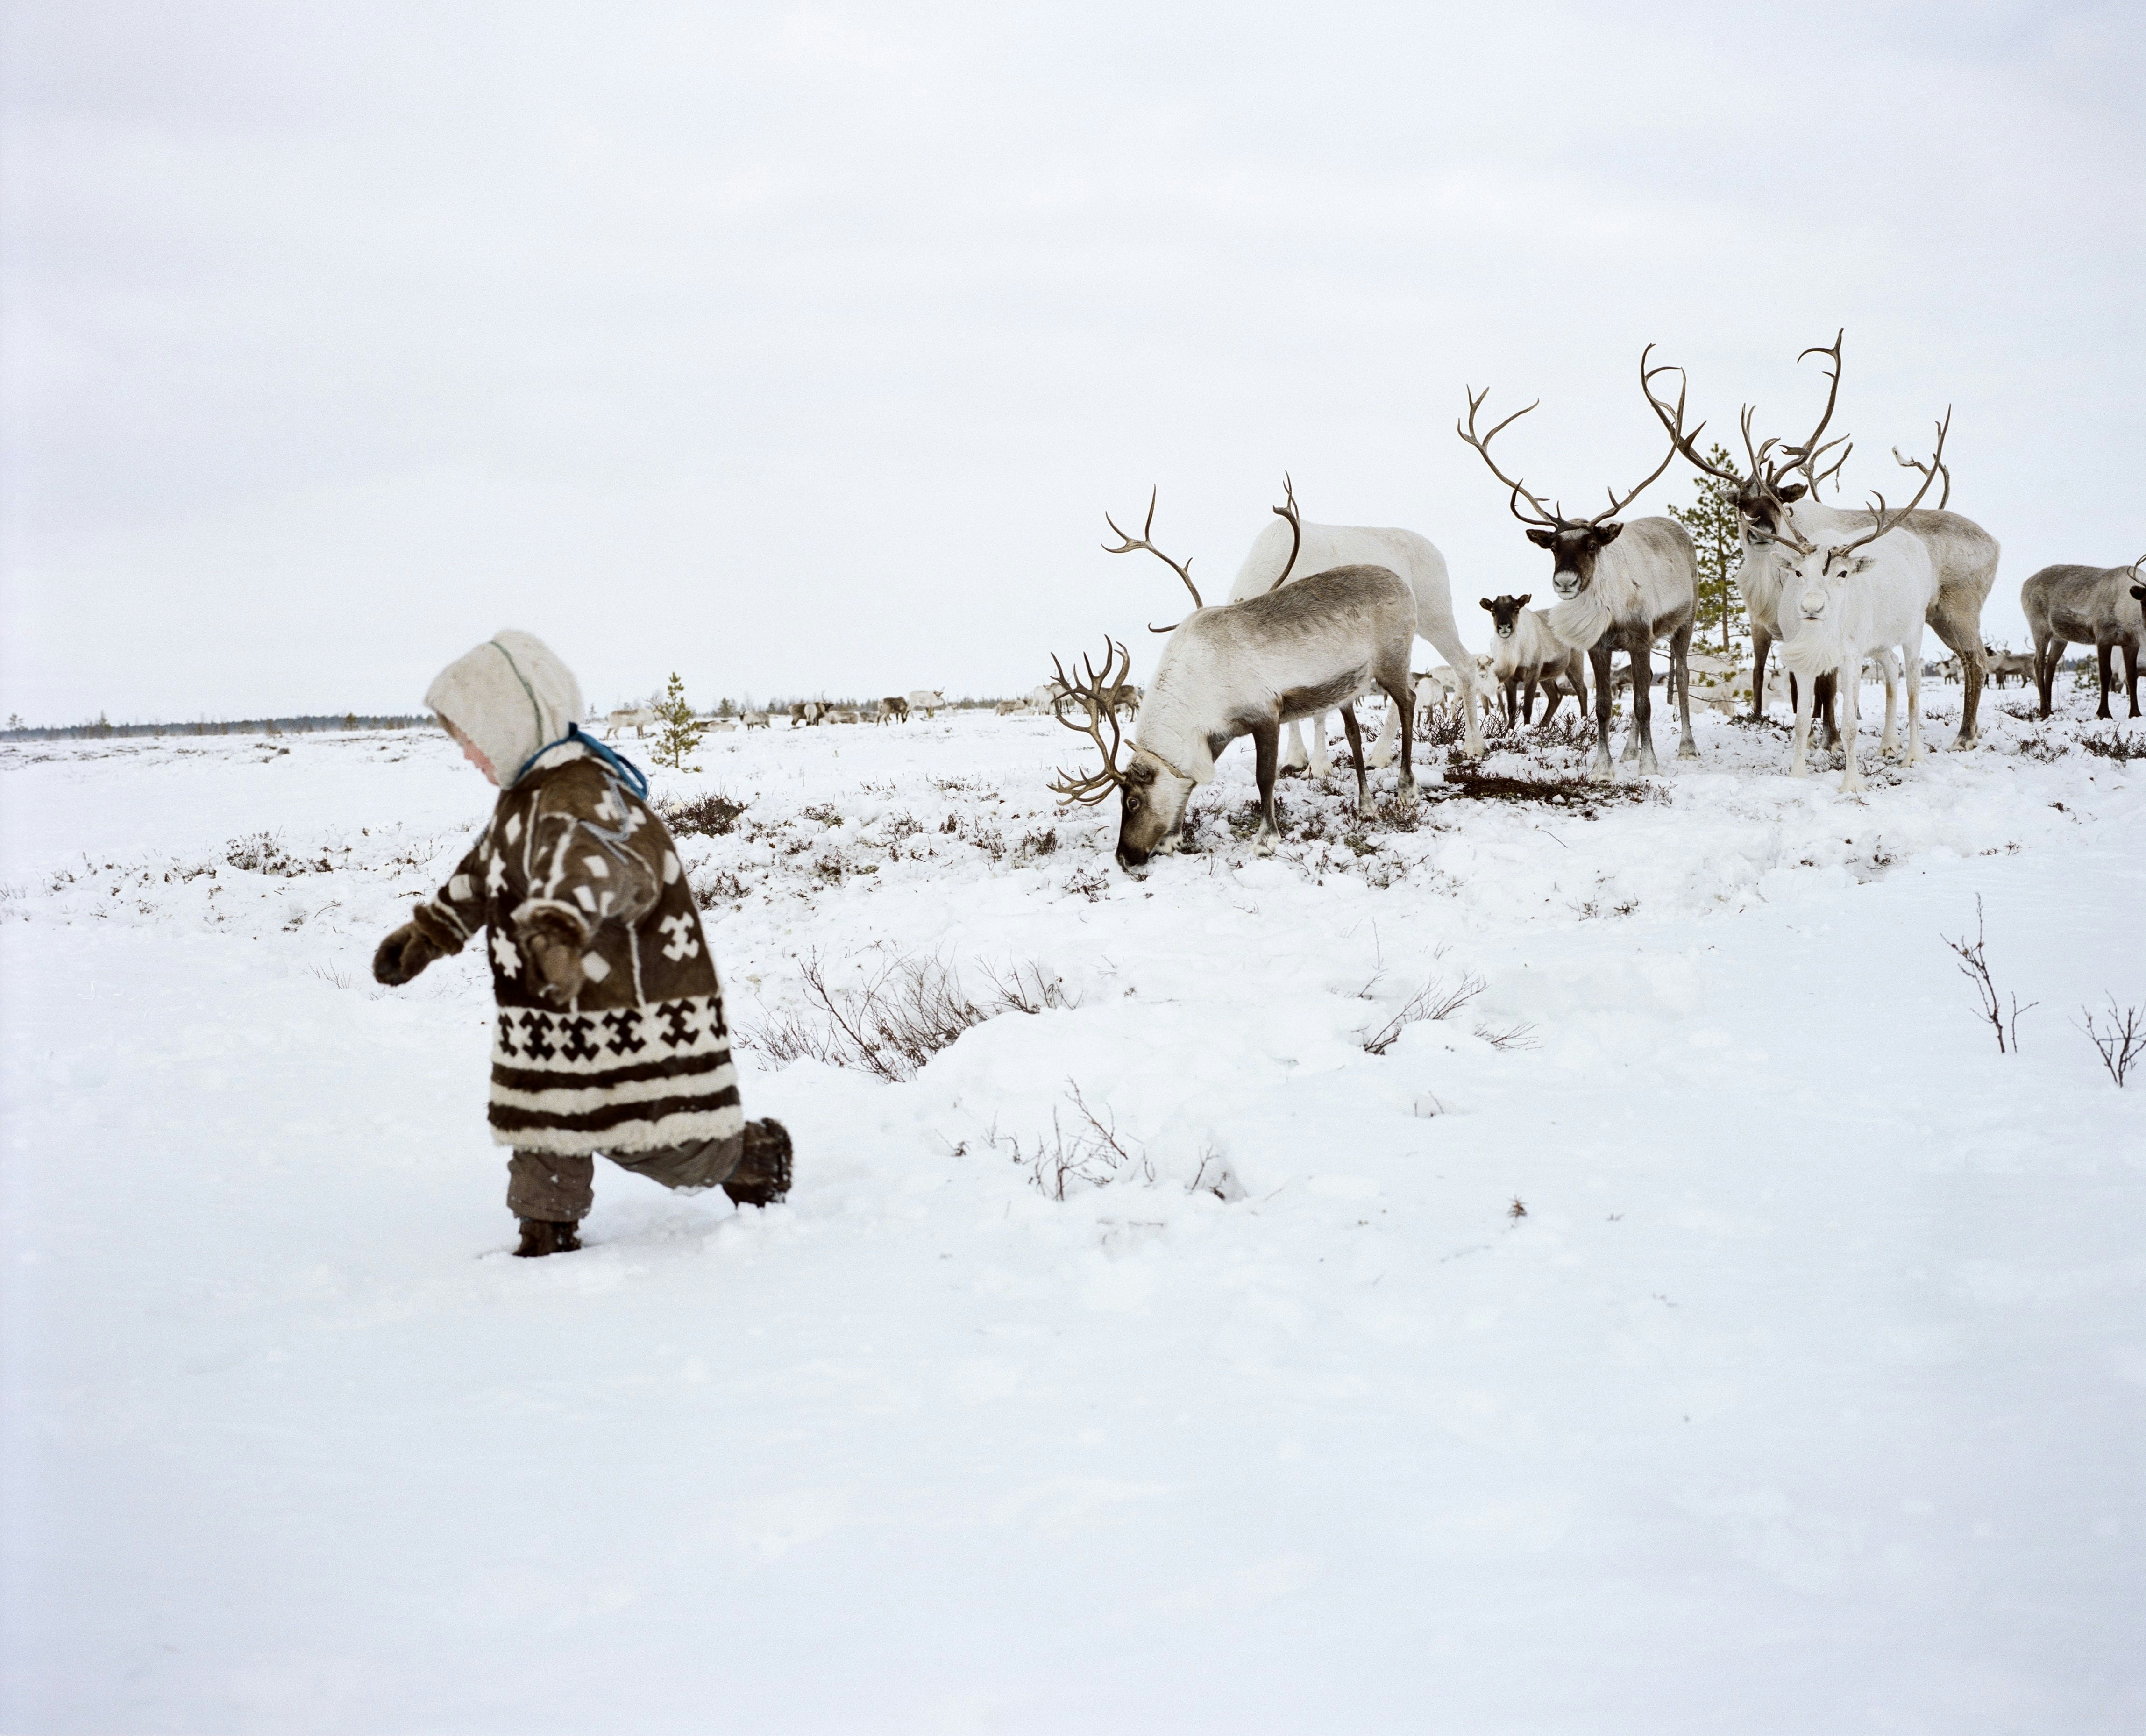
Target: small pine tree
{"x": 681, "y": 732}
{"x": 1716, "y": 539}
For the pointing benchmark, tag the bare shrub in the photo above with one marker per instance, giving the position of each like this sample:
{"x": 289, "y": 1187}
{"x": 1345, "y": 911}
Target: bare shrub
{"x": 2122, "y": 1045}
{"x": 711, "y": 815}
{"x": 1088, "y": 882}
{"x": 2121, "y": 748}
{"x": 263, "y": 853}
{"x": 1974, "y": 966}
{"x": 1506, "y": 1038}
{"x": 1040, "y": 843}
{"x": 1437, "y": 999}
{"x": 902, "y": 1016}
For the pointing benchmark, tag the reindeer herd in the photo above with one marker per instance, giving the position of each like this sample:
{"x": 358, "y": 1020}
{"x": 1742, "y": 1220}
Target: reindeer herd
{"x": 1322, "y": 614}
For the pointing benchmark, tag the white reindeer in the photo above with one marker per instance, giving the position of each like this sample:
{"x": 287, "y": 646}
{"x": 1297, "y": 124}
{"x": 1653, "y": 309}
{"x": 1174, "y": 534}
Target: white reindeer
{"x": 1867, "y": 596}
{"x": 1963, "y": 554}
{"x": 1303, "y": 549}
{"x": 1239, "y": 669}
{"x": 636, "y": 718}
{"x": 928, "y": 700}
{"x": 1619, "y": 587}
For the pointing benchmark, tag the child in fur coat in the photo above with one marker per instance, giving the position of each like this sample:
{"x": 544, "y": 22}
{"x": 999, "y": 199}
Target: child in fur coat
{"x": 610, "y": 1035}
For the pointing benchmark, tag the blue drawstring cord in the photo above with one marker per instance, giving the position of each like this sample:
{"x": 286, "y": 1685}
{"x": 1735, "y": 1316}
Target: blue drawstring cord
{"x": 618, "y": 762}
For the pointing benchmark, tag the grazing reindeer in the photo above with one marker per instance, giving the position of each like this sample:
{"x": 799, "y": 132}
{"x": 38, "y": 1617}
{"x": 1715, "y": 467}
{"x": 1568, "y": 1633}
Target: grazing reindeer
{"x": 1619, "y": 587}
{"x": 894, "y": 709}
{"x": 1839, "y": 604}
{"x": 2087, "y": 605}
{"x": 1527, "y": 650}
{"x": 1244, "y": 668}
{"x": 1274, "y": 554}
{"x": 1964, "y": 555}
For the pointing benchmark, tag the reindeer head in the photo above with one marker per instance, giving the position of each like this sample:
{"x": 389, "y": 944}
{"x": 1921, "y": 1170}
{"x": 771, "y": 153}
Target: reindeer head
{"x": 1575, "y": 543}
{"x": 1506, "y": 612}
{"x": 1151, "y": 794}
{"x": 1815, "y": 576}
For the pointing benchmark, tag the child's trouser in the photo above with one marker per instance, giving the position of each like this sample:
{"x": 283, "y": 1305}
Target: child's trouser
{"x": 560, "y": 1189}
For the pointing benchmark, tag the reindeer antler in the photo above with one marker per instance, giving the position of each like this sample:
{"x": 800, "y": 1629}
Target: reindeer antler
{"x": 1918, "y": 464}
{"x": 1095, "y": 696}
{"x": 1543, "y": 515}
{"x": 1295, "y": 526}
{"x": 1807, "y": 454}
{"x": 1672, "y": 420}
{"x": 1887, "y": 519}
{"x": 1127, "y": 545}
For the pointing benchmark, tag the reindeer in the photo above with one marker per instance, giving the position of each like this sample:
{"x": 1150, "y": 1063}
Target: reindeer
{"x": 894, "y": 709}
{"x": 636, "y": 718}
{"x": 758, "y": 720}
{"x": 1243, "y": 669}
{"x": 1839, "y": 604}
{"x": 1964, "y": 555}
{"x": 1319, "y": 548}
{"x": 1619, "y": 587}
{"x": 927, "y": 699}
{"x": 1525, "y": 650}
{"x": 2087, "y": 605}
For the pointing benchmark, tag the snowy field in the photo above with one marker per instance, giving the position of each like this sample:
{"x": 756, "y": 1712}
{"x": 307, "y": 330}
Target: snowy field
{"x": 1699, "y": 1327}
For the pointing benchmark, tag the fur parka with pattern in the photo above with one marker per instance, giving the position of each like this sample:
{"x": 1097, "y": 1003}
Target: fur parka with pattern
{"x": 641, "y": 1058}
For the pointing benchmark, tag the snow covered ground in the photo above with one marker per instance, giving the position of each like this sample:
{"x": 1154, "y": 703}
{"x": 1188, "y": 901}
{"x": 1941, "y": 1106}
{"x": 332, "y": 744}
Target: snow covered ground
{"x": 1701, "y": 1327}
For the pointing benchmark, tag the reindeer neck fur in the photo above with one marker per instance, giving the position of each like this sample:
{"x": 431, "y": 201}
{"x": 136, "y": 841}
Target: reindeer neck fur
{"x": 1532, "y": 645}
{"x": 1871, "y": 610}
{"x": 1643, "y": 578}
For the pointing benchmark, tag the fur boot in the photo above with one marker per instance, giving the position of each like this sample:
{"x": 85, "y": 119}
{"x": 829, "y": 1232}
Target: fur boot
{"x": 763, "y": 1176}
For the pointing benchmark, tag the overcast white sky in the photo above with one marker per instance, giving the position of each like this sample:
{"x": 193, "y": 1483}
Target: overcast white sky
{"x": 803, "y": 349}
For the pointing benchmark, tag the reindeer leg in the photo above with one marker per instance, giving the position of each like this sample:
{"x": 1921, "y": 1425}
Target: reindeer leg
{"x": 1851, "y": 778}
{"x": 1389, "y": 743}
{"x": 1805, "y": 695}
{"x": 2131, "y": 675}
{"x": 1915, "y": 698}
{"x": 1322, "y": 757}
{"x": 1294, "y": 760}
{"x": 1266, "y": 750}
{"x": 1964, "y": 638}
{"x": 1356, "y": 754}
{"x": 1888, "y": 740}
{"x": 1680, "y": 667}
{"x": 2045, "y": 670}
{"x": 1828, "y": 687}
{"x": 2102, "y": 657}
{"x": 1601, "y": 770}
{"x": 1643, "y": 710}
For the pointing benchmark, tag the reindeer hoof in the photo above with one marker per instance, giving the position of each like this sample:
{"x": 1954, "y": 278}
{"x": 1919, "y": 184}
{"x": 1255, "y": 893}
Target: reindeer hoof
{"x": 1687, "y": 750}
{"x": 1264, "y": 845}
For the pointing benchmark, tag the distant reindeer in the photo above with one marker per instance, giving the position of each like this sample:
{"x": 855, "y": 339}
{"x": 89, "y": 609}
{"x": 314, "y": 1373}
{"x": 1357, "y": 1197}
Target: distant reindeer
{"x": 927, "y": 701}
{"x": 1619, "y": 587}
{"x": 808, "y": 714}
{"x": 758, "y": 720}
{"x": 2096, "y": 605}
{"x": 1239, "y": 669}
{"x": 636, "y": 718}
{"x": 894, "y": 709}
{"x": 1526, "y": 651}
{"x": 1963, "y": 554}
{"x": 2001, "y": 667}
{"x": 1839, "y": 604}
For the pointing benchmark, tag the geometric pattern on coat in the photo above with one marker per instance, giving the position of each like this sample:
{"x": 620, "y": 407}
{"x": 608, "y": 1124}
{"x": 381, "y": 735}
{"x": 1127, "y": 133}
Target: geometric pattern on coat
{"x": 641, "y": 1058}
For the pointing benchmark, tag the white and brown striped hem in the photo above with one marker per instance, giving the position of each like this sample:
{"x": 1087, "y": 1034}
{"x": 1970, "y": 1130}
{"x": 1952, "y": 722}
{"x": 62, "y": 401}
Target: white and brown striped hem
{"x": 625, "y": 1079}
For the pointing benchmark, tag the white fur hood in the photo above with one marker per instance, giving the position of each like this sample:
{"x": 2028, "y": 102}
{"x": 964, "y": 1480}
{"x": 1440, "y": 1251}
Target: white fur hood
{"x": 510, "y": 696}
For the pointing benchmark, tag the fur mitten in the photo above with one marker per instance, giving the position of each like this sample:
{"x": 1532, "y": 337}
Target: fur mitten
{"x": 552, "y": 943}
{"x": 402, "y": 954}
